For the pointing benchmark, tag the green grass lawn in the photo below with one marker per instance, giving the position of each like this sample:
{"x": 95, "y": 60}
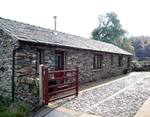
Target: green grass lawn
{"x": 23, "y": 111}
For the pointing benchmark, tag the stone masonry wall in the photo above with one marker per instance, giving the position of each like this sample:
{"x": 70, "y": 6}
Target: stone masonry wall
{"x": 26, "y": 76}
{"x": 26, "y": 79}
{"x": 84, "y": 60}
{"x": 7, "y": 44}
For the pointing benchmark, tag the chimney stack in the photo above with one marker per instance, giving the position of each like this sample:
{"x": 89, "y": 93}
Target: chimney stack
{"x": 55, "y": 23}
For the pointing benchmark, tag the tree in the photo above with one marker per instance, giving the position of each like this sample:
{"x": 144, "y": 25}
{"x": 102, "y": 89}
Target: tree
{"x": 125, "y": 44}
{"x": 109, "y": 28}
{"x": 139, "y": 46}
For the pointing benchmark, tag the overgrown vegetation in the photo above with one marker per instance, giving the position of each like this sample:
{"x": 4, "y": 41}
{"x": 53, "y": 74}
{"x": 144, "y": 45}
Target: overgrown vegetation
{"x": 135, "y": 65}
{"x": 24, "y": 110}
{"x": 142, "y": 47}
{"x": 110, "y": 31}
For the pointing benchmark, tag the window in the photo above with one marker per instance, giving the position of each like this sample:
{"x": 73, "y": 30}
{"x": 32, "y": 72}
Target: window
{"x": 120, "y": 61}
{"x": 38, "y": 59}
{"x": 112, "y": 59}
{"x": 97, "y": 62}
{"x": 59, "y": 61}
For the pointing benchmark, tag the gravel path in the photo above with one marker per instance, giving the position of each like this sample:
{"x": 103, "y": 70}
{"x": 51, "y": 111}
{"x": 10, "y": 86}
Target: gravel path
{"x": 96, "y": 95}
{"x": 125, "y": 104}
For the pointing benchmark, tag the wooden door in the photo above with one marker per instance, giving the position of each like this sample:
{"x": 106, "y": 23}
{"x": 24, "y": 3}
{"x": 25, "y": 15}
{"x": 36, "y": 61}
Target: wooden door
{"x": 59, "y": 62}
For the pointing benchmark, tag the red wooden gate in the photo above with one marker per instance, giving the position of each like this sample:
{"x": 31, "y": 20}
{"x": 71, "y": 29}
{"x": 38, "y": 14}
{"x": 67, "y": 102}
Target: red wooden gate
{"x": 52, "y": 89}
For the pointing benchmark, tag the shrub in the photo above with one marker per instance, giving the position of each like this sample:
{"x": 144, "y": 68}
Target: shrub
{"x": 135, "y": 64}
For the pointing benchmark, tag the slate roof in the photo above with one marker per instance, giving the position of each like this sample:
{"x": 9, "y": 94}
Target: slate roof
{"x": 31, "y": 33}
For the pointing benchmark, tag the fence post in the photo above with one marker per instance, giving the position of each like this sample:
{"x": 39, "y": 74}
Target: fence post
{"x": 77, "y": 80}
{"x": 41, "y": 81}
{"x": 46, "y": 86}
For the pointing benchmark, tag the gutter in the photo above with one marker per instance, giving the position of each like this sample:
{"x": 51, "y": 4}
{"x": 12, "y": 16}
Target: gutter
{"x": 13, "y": 73}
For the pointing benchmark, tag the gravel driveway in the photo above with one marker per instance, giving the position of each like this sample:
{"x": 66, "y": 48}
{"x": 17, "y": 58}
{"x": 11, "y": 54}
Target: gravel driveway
{"x": 121, "y": 98}
{"x": 125, "y": 104}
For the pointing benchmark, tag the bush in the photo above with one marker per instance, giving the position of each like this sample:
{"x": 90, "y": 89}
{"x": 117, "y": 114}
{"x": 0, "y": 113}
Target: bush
{"x": 135, "y": 64}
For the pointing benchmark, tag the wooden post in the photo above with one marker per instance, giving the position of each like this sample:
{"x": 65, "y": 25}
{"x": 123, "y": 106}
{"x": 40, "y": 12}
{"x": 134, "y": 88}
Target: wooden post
{"x": 41, "y": 81}
{"x": 77, "y": 80}
{"x": 46, "y": 86}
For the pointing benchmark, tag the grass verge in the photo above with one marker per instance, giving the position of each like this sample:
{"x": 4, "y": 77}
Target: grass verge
{"x": 24, "y": 110}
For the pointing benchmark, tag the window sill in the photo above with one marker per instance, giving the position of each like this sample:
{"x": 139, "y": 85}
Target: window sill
{"x": 98, "y": 69}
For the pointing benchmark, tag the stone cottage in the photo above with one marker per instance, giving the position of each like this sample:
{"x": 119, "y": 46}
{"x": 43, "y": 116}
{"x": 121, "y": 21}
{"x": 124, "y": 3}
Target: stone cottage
{"x": 23, "y": 47}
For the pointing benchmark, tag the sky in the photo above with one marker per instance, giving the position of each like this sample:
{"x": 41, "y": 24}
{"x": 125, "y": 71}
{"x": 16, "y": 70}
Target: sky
{"x": 79, "y": 17}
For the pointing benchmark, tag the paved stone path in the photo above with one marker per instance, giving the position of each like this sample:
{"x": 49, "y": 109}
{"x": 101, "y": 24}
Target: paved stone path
{"x": 52, "y": 112}
{"x": 144, "y": 111}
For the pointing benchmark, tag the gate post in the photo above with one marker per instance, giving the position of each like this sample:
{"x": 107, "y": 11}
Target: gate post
{"x": 41, "y": 81}
{"x": 77, "y": 80}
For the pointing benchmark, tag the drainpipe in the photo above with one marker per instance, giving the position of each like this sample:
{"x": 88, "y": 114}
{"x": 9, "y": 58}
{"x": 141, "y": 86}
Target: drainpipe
{"x": 13, "y": 73}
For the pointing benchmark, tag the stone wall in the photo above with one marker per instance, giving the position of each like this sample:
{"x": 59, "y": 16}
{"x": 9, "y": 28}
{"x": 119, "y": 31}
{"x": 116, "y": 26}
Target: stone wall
{"x": 7, "y": 44}
{"x": 26, "y": 79}
{"x": 84, "y": 60}
{"x": 26, "y": 76}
